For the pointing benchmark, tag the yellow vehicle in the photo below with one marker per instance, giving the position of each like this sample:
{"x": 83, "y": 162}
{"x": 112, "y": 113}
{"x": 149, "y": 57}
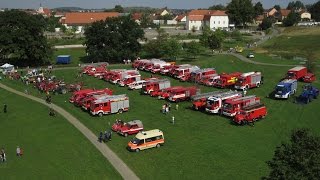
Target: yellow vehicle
{"x": 146, "y": 140}
{"x": 239, "y": 49}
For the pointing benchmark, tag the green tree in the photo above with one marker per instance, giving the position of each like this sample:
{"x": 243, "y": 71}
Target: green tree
{"x": 118, "y": 8}
{"x": 299, "y": 159}
{"x": 315, "y": 11}
{"x": 217, "y": 7}
{"x": 277, "y": 7}
{"x": 266, "y": 24}
{"x": 146, "y": 21}
{"x": 193, "y": 49}
{"x": 258, "y": 9}
{"x": 292, "y": 19}
{"x": 113, "y": 39}
{"x": 206, "y": 33}
{"x": 22, "y": 38}
{"x": 215, "y": 39}
{"x": 240, "y": 12}
{"x": 171, "y": 48}
{"x": 295, "y": 5}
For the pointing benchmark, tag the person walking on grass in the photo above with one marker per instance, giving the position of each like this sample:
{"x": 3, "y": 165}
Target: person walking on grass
{"x": 3, "y": 155}
{"x": 173, "y": 120}
{"x": 18, "y": 150}
{"x": 5, "y": 108}
{"x": 177, "y": 106}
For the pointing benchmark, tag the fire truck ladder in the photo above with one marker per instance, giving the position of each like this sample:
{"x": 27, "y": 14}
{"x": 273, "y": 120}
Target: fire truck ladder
{"x": 227, "y": 94}
{"x": 244, "y": 98}
{"x": 112, "y": 97}
{"x": 205, "y": 95}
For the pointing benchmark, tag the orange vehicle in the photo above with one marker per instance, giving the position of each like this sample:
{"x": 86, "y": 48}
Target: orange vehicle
{"x": 146, "y": 139}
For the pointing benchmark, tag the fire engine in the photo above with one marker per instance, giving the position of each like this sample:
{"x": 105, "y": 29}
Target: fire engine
{"x": 86, "y": 102}
{"x": 165, "y": 69}
{"x": 96, "y": 70}
{"x": 249, "y": 80}
{"x": 209, "y": 80}
{"x": 129, "y": 79}
{"x": 297, "y": 73}
{"x": 197, "y": 75}
{"x": 155, "y": 85}
{"x": 200, "y": 101}
{"x": 77, "y": 100}
{"x": 112, "y": 104}
{"x": 165, "y": 93}
{"x": 108, "y": 75}
{"x": 215, "y": 103}
{"x": 231, "y": 107}
{"x": 149, "y": 66}
{"x": 173, "y": 69}
{"x": 78, "y": 94}
{"x": 182, "y": 71}
{"x": 143, "y": 64}
{"x": 118, "y": 76}
{"x": 137, "y": 63}
{"x": 309, "y": 78}
{"x": 250, "y": 114}
{"x": 131, "y": 127}
{"x": 136, "y": 84}
{"x": 226, "y": 80}
{"x": 183, "y": 94}
{"x": 161, "y": 65}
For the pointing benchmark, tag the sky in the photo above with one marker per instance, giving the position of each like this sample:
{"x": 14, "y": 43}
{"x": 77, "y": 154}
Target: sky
{"x": 97, "y": 4}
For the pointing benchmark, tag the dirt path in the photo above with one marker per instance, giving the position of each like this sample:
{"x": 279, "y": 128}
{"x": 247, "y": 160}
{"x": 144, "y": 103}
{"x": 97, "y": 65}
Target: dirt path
{"x": 116, "y": 162}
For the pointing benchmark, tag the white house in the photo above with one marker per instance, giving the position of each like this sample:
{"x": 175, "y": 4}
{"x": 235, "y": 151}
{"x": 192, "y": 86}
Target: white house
{"x": 212, "y": 18}
{"x": 305, "y": 15}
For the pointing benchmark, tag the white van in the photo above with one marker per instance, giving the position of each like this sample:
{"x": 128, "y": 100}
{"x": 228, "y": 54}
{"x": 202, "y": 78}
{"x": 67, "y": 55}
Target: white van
{"x": 146, "y": 140}
{"x": 136, "y": 85}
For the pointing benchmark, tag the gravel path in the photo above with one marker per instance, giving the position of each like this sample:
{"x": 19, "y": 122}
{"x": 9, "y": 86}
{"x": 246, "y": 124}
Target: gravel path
{"x": 116, "y": 162}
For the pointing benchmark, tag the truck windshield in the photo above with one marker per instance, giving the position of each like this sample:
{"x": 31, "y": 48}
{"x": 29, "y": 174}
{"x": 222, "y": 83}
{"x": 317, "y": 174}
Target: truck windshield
{"x": 227, "y": 106}
{"x": 280, "y": 88}
{"x": 290, "y": 74}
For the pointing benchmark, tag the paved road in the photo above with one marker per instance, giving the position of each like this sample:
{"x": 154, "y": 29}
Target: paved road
{"x": 116, "y": 162}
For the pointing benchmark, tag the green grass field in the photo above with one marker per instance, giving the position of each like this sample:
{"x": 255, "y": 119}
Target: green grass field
{"x": 200, "y": 146}
{"x": 294, "y": 42}
{"x": 53, "y": 148}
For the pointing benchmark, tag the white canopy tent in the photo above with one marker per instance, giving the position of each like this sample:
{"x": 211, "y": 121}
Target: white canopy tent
{"x": 7, "y": 67}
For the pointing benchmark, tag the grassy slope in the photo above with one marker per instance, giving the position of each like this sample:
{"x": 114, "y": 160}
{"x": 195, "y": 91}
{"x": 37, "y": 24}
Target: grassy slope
{"x": 53, "y": 148}
{"x": 294, "y": 41}
{"x": 200, "y": 145}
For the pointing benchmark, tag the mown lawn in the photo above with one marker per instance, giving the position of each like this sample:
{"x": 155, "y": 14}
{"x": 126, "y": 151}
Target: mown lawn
{"x": 53, "y": 148}
{"x": 201, "y": 146}
{"x": 295, "y": 42}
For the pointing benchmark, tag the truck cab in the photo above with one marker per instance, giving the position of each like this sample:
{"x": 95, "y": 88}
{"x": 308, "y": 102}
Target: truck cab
{"x": 286, "y": 88}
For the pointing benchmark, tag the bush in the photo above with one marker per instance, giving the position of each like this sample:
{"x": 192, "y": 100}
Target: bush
{"x": 266, "y": 24}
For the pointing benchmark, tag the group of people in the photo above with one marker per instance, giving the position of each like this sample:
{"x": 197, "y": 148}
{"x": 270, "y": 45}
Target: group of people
{"x": 127, "y": 61}
{"x": 3, "y": 157}
{"x": 166, "y": 108}
{"x": 104, "y": 137}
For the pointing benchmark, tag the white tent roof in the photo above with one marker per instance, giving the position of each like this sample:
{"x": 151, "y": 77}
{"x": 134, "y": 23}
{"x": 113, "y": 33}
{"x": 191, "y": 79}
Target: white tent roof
{"x": 6, "y": 65}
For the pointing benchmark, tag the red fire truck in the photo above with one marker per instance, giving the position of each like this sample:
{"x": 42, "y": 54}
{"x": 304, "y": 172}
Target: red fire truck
{"x": 250, "y": 114}
{"x": 78, "y": 97}
{"x": 155, "y": 85}
{"x": 149, "y": 66}
{"x": 166, "y": 69}
{"x": 184, "y": 70}
{"x": 199, "y": 102}
{"x": 215, "y": 103}
{"x": 129, "y": 79}
{"x": 112, "y": 104}
{"x": 209, "y": 80}
{"x": 108, "y": 75}
{"x": 137, "y": 63}
{"x": 249, "y": 80}
{"x": 118, "y": 76}
{"x": 231, "y": 107}
{"x": 96, "y": 70}
{"x": 86, "y": 102}
{"x": 183, "y": 94}
{"x": 159, "y": 66}
{"x": 297, "y": 73}
{"x": 165, "y": 93}
{"x": 309, "y": 78}
{"x": 226, "y": 80}
{"x": 197, "y": 75}
{"x": 173, "y": 69}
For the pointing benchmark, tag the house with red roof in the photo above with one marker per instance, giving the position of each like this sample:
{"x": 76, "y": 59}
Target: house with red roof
{"x": 182, "y": 18}
{"x": 214, "y": 19}
{"x": 136, "y": 17}
{"x": 46, "y": 12}
{"x": 81, "y": 19}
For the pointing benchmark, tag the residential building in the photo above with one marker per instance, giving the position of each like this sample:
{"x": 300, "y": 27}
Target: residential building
{"x": 305, "y": 16}
{"x": 283, "y": 13}
{"x": 137, "y": 17}
{"x": 214, "y": 19}
{"x": 81, "y": 19}
{"x": 46, "y": 12}
{"x": 182, "y": 18}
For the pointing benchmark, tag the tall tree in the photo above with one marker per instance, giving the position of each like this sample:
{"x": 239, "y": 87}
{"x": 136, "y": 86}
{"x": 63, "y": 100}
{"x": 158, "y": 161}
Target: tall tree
{"x": 240, "y": 12}
{"x": 258, "y": 9}
{"x": 295, "y": 5}
{"x": 299, "y": 159}
{"x": 118, "y": 8}
{"x": 291, "y": 19}
{"x": 171, "y": 48}
{"x": 113, "y": 39}
{"x": 145, "y": 21}
{"x": 315, "y": 11}
{"x": 21, "y": 36}
{"x": 215, "y": 39}
{"x": 266, "y": 23}
{"x": 193, "y": 49}
{"x": 277, "y": 7}
{"x": 217, "y": 7}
